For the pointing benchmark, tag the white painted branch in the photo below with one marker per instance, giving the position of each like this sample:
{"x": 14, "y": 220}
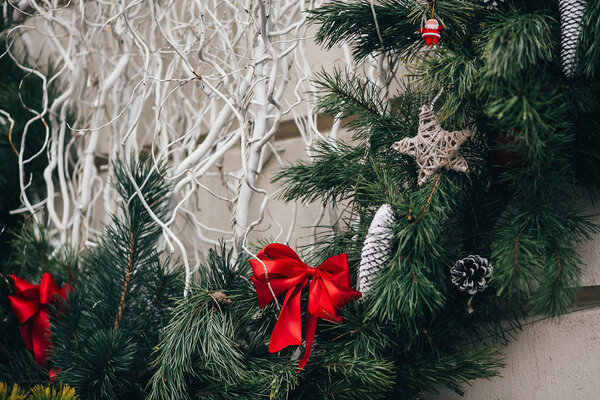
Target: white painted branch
{"x": 189, "y": 82}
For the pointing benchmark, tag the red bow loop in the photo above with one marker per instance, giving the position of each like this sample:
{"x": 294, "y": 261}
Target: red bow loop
{"x": 279, "y": 267}
{"x": 48, "y": 289}
{"x": 31, "y": 306}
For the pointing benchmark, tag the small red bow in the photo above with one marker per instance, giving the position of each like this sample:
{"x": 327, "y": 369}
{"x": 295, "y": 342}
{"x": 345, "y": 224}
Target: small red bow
{"x": 330, "y": 289}
{"x": 31, "y": 305}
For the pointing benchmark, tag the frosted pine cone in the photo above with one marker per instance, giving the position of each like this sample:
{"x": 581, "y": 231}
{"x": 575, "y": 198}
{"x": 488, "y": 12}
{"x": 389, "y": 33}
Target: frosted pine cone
{"x": 377, "y": 246}
{"x": 471, "y": 274}
{"x": 571, "y": 14}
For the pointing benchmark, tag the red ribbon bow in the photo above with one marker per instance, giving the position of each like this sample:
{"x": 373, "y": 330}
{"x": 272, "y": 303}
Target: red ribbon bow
{"x": 330, "y": 289}
{"x": 31, "y": 305}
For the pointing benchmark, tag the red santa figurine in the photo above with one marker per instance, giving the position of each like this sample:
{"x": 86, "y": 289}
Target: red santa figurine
{"x": 431, "y": 32}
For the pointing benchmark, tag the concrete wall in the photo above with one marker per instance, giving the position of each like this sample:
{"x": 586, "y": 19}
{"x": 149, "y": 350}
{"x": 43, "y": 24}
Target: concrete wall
{"x": 550, "y": 360}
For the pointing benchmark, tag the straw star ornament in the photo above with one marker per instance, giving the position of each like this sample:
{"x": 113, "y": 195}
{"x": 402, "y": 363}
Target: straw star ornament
{"x": 434, "y": 148}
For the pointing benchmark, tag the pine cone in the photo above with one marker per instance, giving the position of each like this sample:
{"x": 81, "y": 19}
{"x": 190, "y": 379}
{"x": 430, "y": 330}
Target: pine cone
{"x": 571, "y": 14}
{"x": 471, "y": 274}
{"x": 376, "y": 248}
{"x": 221, "y": 298}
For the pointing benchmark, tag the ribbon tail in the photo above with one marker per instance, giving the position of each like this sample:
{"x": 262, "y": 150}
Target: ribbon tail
{"x": 288, "y": 329}
{"x": 26, "y": 335}
{"x": 48, "y": 289}
{"x": 40, "y": 332}
{"x": 311, "y": 328}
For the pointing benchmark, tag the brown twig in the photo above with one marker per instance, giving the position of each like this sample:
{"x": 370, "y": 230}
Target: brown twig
{"x": 127, "y": 281}
{"x": 41, "y": 252}
{"x": 352, "y": 333}
{"x": 516, "y": 251}
{"x": 332, "y": 364}
{"x": 412, "y": 271}
{"x": 157, "y": 295}
{"x": 560, "y": 269}
{"x": 10, "y": 130}
{"x": 428, "y": 202}
{"x": 469, "y": 308}
{"x": 158, "y": 292}
{"x": 71, "y": 274}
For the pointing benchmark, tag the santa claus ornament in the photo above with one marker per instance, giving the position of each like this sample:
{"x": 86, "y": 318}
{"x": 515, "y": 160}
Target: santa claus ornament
{"x": 431, "y": 31}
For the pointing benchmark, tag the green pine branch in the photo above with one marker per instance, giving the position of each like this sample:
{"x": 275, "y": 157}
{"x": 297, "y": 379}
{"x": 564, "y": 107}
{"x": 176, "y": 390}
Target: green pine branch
{"x": 203, "y": 338}
{"x": 103, "y": 340}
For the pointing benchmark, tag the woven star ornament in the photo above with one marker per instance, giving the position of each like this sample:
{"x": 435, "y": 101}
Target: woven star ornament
{"x": 434, "y": 148}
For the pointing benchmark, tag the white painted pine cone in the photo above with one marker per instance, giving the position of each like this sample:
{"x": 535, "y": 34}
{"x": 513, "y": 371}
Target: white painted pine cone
{"x": 571, "y": 14}
{"x": 376, "y": 248}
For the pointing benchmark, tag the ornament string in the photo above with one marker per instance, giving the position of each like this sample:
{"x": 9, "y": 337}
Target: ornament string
{"x": 432, "y": 8}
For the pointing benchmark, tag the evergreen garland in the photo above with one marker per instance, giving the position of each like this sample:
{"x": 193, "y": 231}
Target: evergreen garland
{"x": 122, "y": 297}
{"x": 500, "y": 73}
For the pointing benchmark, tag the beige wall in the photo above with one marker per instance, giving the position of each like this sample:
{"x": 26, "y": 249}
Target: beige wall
{"x": 550, "y": 360}
{"x": 277, "y": 222}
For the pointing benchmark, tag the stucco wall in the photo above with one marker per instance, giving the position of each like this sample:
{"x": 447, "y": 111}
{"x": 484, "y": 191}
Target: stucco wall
{"x": 550, "y": 360}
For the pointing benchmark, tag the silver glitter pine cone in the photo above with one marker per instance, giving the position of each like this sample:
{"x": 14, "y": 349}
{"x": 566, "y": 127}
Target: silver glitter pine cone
{"x": 471, "y": 274}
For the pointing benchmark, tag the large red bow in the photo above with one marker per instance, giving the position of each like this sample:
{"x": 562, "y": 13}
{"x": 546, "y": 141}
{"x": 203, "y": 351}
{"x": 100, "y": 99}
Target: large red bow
{"x": 330, "y": 289}
{"x": 31, "y": 305}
